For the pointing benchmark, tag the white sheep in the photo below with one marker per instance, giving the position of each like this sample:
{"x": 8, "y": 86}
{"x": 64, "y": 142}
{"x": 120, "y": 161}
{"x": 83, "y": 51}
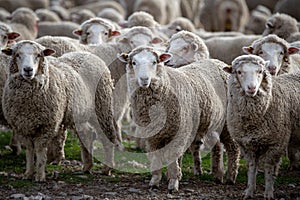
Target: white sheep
{"x": 186, "y": 47}
{"x": 7, "y": 36}
{"x": 47, "y": 15}
{"x": 62, "y": 12}
{"x": 178, "y": 24}
{"x": 263, "y": 112}
{"x": 32, "y": 4}
{"x": 228, "y": 48}
{"x": 80, "y": 16}
{"x": 161, "y": 106}
{"x": 191, "y": 10}
{"x": 224, "y": 15}
{"x": 111, "y": 14}
{"x": 96, "y": 31}
{"x": 257, "y": 20}
{"x": 41, "y": 96}
{"x": 62, "y": 28}
{"x": 24, "y": 21}
{"x": 281, "y": 25}
{"x": 282, "y": 57}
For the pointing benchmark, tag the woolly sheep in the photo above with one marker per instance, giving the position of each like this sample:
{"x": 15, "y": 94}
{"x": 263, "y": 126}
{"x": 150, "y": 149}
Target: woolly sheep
{"x": 177, "y": 25}
{"x": 294, "y": 37}
{"x": 281, "y": 25}
{"x": 155, "y": 8}
{"x": 205, "y": 35}
{"x": 220, "y": 15}
{"x": 278, "y": 52}
{"x": 288, "y": 7}
{"x": 4, "y": 14}
{"x": 80, "y": 16}
{"x": 47, "y": 15}
{"x": 186, "y": 47}
{"x": 161, "y": 106}
{"x": 96, "y": 31}
{"x": 63, "y": 28}
{"x": 11, "y": 6}
{"x": 256, "y": 101}
{"x": 24, "y": 21}
{"x": 111, "y": 14}
{"x": 257, "y": 20}
{"x": 191, "y": 10}
{"x": 62, "y": 12}
{"x": 7, "y": 36}
{"x": 42, "y": 95}
{"x": 228, "y": 48}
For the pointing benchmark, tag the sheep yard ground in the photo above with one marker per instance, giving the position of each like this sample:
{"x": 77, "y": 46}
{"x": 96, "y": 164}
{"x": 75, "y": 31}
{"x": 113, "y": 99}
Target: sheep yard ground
{"x": 66, "y": 181}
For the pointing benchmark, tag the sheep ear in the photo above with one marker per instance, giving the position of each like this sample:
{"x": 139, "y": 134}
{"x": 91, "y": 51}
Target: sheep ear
{"x": 269, "y": 25}
{"x": 123, "y": 57}
{"x": 114, "y": 33}
{"x": 228, "y": 69}
{"x": 293, "y": 50}
{"x": 77, "y": 32}
{"x": 48, "y": 52}
{"x": 13, "y": 35}
{"x": 156, "y": 40}
{"x": 248, "y": 50}
{"x": 165, "y": 57}
{"x": 7, "y": 51}
{"x": 178, "y": 28}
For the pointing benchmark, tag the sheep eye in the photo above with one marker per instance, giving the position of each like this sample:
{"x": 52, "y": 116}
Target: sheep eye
{"x": 106, "y": 33}
{"x": 5, "y": 37}
{"x": 154, "y": 63}
{"x": 260, "y": 52}
{"x": 133, "y": 63}
{"x": 281, "y": 53}
{"x": 87, "y": 33}
{"x": 17, "y": 55}
{"x": 239, "y": 72}
{"x": 260, "y": 71}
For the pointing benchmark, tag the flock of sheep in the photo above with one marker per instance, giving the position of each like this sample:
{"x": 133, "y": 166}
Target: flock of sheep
{"x": 187, "y": 73}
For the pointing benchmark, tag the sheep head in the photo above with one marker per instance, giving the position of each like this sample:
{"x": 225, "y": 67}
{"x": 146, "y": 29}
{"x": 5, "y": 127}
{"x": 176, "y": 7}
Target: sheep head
{"x": 186, "y": 47}
{"x": 144, "y": 64}
{"x": 27, "y": 58}
{"x": 274, "y": 49}
{"x": 250, "y": 72}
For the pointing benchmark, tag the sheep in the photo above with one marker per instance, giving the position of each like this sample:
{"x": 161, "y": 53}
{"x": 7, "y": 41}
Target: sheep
{"x": 11, "y": 6}
{"x": 41, "y": 96}
{"x": 177, "y": 25}
{"x": 278, "y": 52}
{"x": 270, "y": 4}
{"x": 24, "y": 21}
{"x": 62, "y": 12}
{"x": 96, "y": 31}
{"x": 47, "y": 15}
{"x": 205, "y": 35}
{"x": 141, "y": 18}
{"x": 80, "y": 16}
{"x": 191, "y": 10}
{"x": 7, "y": 36}
{"x": 220, "y": 15}
{"x": 227, "y": 48}
{"x": 63, "y": 28}
{"x": 111, "y": 14}
{"x": 186, "y": 47}
{"x": 4, "y": 14}
{"x": 293, "y": 37}
{"x": 281, "y": 25}
{"x": 288, "y": 7}
{"x": 161, "y": 106}
{"x": 257, "y": 20}
{"x": 262, "y": 113}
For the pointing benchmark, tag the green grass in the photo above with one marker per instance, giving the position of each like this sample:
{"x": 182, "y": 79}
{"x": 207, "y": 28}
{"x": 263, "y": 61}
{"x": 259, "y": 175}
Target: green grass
{"x": 12, "y": 166}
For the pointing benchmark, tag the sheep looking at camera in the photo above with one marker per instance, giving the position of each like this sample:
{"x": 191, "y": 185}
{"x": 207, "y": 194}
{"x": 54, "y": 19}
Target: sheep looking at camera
{"x": 161, "y": 103}
{"x": 41, "y": 96}
{"x": 256, "y": 102}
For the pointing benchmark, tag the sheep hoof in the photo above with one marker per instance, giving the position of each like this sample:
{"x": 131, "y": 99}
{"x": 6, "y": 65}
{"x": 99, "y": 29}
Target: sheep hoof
{"x": 28, "y": 176}
{"x": 173, "y": 185}
{"x": 248, "y": 194}
{"x": 269, "y": 195}
{"x": 153, "y": 188}
{"x": 230, "y": 182}
{"x": 218, "y": 180}
{"x": 106, "y": 171}
{"x": 40, "y": 179}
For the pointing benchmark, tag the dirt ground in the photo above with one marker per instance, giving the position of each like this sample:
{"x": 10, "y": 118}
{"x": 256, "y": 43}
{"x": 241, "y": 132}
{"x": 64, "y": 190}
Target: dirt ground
{"x": 135, "y": 186}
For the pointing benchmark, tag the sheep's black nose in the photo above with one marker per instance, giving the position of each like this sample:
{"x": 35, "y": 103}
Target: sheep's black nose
{"x": 28, "y": 69}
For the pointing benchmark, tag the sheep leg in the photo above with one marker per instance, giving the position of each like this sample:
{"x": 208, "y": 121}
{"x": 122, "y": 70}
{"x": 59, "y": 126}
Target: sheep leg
{"x": 217, "y": 164}
{"x": 55, "y": 152}
{"x": 108, "y": 156}
{"x": 195, "y": 150}
{"x": 156, "y": 169}
{"x": 252, "y": 171}
{"x": 233, "y": 156}
{"x": 174, "y": 175}
{"x": 86, "y": 147}
{"x": 156, "y": 177}
{"x": 292, "y": 157}
{"x": 15, "y": 144}
{"x": 29, "y": 159}
{"x": 269, "y": 181}
{"x": 41, "y": 158}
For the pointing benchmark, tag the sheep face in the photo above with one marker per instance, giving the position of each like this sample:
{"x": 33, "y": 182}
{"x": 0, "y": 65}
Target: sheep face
{"x": 229, "y": 11}
{"x": 183, "y": 52}
{"x": 7, "y": 38}
{"x": 249, "y": 73}
{"x": 144, "y": 65}
{"x": 27, "y": 57}
{"x": 141, "y": 39}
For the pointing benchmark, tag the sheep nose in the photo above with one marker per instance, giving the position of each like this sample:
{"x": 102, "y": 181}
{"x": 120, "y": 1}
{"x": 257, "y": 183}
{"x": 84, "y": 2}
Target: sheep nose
{"x": 251, "y": 88}
{"x": 28, "y": 69}
{"x": 272, "y": 70}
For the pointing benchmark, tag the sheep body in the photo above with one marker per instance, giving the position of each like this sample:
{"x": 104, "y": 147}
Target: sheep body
{"x": 63, "y": 28}
{"x": 262, "y": 123}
